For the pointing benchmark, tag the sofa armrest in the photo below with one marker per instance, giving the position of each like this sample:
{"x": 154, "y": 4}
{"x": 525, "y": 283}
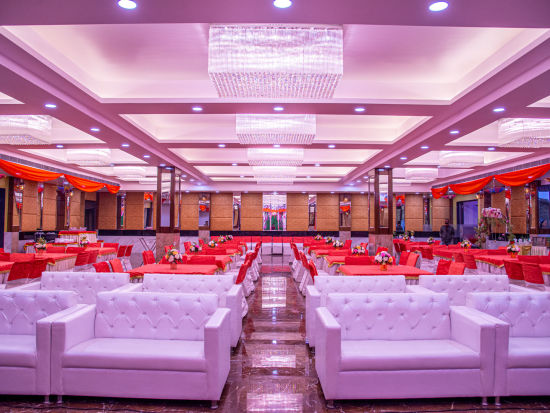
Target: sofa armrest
{"x": 234, "y": 301}
{"x": 328, "y": 351}
{"x": 313, "y": 300}
{"x": 129, "y": 288}
{"x": 35, "y": 285}
{"x": 217, "y": 351}
{"x": 519, "y": 289}
{"x": 417, "y": 289}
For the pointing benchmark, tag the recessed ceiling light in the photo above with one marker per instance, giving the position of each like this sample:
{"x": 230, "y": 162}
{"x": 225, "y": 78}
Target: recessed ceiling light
{"x": 454, "y": 132}
{"x": 59, "y": 146}
{"x": 438, "y": 6}
{"x": 125, "y": 145}
{"x": 221, "y": 145}
{"x": 276, "y": 145}
{"x": 168, "y": 168}
{"x": 50, "y": 105}
{"x": 95, "y": 129}
{"x": 282, "y": 4}
{"x": 187, "y": 191}
{"x": 146, "y": 156}
{"x": 317, "y": 164}
{"x": 127, "y": 4}
{"x": 403, "y": 158}
{"x": 491, "y": 148}
{"x": 162, "y": 164}
{"x": 196, "y": 108}
{"x": 303, "y": 192}
{"x": 308, "y": 177}
{"x": 499, "y": 109}
{"x": 234, "y": 164}
{"x": 278, "y": 108}
{"x": 331, "y": 192}
{"x": 217, "y": 192}
{"x": 191, "y": 180}
{"x": 332, "y": 146}
{"x": 424, "y": 147}
{"x": 362, "y": 192}
{"x": 387, "y": 166}
{"x": 184, "y": 176}
{"x": 359, "y": 180}
{"x": 359, "y": 109}
{"x": 242, "y": 176}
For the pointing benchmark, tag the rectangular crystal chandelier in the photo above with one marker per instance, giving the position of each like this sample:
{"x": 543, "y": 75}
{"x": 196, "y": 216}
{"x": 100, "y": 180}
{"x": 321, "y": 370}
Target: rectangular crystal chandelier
{"x": 25, "y": 130}
{"x": 274, "y": 174}
{"x": 524, "y": 133}
{"x": 275, "y": 61}
{"x": 255, "y": 129}
{"x": 275, "y": 156}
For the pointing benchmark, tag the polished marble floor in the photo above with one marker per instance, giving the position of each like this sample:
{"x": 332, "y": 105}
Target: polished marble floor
{"x": 272, "y": 369}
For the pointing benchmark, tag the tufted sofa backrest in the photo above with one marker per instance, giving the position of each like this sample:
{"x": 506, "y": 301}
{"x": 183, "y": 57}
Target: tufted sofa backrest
{"x": 19, "y": 310}
{"x": 359, "y": 284}
{"x": 160, "y": 316}
{"x": 391, "y": 316}
{"x": 85, "y": 284}
{"x": 527, "y": 313}
{"x": 458, "y": 286}
{"x": 183, "y": 283}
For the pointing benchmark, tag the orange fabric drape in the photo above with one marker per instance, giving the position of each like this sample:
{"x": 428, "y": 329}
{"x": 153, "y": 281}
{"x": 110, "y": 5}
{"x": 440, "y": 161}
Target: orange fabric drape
{"x": 439, "y": 192}
{"x": 113, "y": 189}
{"x": 518, "y": 178}
{"x": 84, "y": 184}
{"x": 27, "y": 172}
{"x": 345, "y": 208}
{"x": 471, "y": 187}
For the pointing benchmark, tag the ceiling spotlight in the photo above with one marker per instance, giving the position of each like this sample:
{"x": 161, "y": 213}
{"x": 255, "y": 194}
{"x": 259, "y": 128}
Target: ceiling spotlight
{"x": 276, "y": 145}
{"x": 308, "y": 177}
{"x": 125, "y": 145}
{"x": 359, "y": 109}
{"x": 127, "y": 4}
{"x": 303, "y": 192}
{"x": 331, "y": 192}
{"x": 162, "y": 164}
{"x": 242, "y": 176}
{"x": 221, "y": 145}
{"x": 362, "y": 192}
{"x": 278, "y": 108}
{"x": 59, "y": 146}
{"x": 50, "y": 105}
{"x": 454, "y": 132}
{"x": 187, "y": 191}
{"x": 499, "y": 109}
{"x": 191, "y": 180}
{"x": 403, "y": 158}
{"x": 234, "y": 164}
{"x": 492, "y": 148}
{"x": 332, "y": 146}
{"x": 282, "y": 4}
{"x": 168, "y": 168}
{"x": 196, "y": 108}
{"x": 95, "y": 129}
{"x": 146, "y": 156}
{"x": 424, "y": 147}
{"x": 359, "y": 180}
{"x": 387, "y": 166}
{"x": 317, "y": 164}
{"x": 438, "y": 6}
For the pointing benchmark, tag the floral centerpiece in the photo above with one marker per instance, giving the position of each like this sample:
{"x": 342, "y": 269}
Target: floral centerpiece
{"x": 212, "y": 244}
{"x": 194, "y": 248}
{"x": 491, "y": 218}
{"x": 173, "y": 256}
{"x": 229, "y": 237}
{"x": 337, "y": 244}
{"x": 84, "y": 242}
{"x": 513, "y": 249}
{"x": 431, "y": 240}
{"x": 328, "y": 240}
{"x": 358, "y": 250}
{"x": 465, "y": 244}
{"x": 383, "y": 258}
{"x": 40, "y": 245}
{"x": 318, "y": 237}
{"x": 222, "y": 239}
{"x": 406, "y": 237}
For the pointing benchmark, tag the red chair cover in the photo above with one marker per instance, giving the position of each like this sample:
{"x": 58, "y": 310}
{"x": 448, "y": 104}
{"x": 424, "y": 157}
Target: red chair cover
{"x": 242, "y": 272}
{"x": 312, "y": 270}
{"x": 74, "y": 250}
{"x": 102, "y": 266}
{"x": 202, "y": 260}
{"x": 128, "y": 252}
{"x": 116, "y": 265}
{"x": 514, "y": 270}
{"x": 404, "y": 257}
{"x": 532, "y": 273}
{"x": 92, "y": 258}
{"x": 83, "y": 258}
{"x": 20, "y": 270}
{"x": 148, "y": 257}
{"x": 121, "y": 251}
{"x": 380, "y": 249}
{"x": 55, "y": 249}
{"x": 412, "y": 259}
{"x": 457, "y": 268}
{"x": 111, "y": 245}
{"x": 443, "y": 267}
{"x": 359, "y": 260}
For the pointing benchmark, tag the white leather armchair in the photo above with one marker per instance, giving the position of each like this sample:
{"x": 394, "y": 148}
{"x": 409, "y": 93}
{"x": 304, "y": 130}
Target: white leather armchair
{"x": 316, "y": 294}
{"x": 522, "y": 355}
{"x": 25, "y": 338}
{"x": 458, "y": 286}
{"x": 229, "y": 295}
{"x": 143, "y": 345}
{"x": 393, "y": 345}
{"x": 85, "y": 284}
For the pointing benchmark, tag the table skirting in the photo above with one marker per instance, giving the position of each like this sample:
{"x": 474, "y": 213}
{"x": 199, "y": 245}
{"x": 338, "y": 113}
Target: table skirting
{"x": 181, "y": 269}
{"x": 411, "y": 273}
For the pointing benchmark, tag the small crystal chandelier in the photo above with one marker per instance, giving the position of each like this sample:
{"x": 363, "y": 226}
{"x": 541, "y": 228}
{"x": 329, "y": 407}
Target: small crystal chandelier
{"x": 89, "y": 157}
{"x": 25, "y": 129}
{"x": 274, "y": 61}
{"x": 275, "y": 156}
{"x": 255, "y": 129}
{"x": 274, "y": 174}
{"x": 524, "y": 133}
{"x": 461, "y": 159}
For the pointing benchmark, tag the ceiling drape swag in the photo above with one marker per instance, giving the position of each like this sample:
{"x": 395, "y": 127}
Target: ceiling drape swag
{"x": 41, "y": 175}
{"x": 471, "y": 187}
{"x": 439, "y": 192}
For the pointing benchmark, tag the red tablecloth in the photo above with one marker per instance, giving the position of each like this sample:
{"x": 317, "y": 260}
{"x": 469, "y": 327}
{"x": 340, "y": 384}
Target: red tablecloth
{"x": 336, "y": 259}
{"x": 181, "y": 269}
{"x": 496, "y": 260}
{"x": 102, "y": 251}
{"x": 77, "y": 232}
{"x": 406, "y": 270}
{"x": 5, "y": 266}
{"x": 545, "y": 268}
{"x": 221, "y": 260}
{"x": 54, "y": 257}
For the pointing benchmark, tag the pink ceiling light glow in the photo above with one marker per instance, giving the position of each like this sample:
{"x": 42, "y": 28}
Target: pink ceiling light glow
{"x": 276, "y": 129}
{"x": 524, "y": 133}
{"x": 275, "y": 156}
{"x": 250, "y": 61}
{"x": 25, "y": 130}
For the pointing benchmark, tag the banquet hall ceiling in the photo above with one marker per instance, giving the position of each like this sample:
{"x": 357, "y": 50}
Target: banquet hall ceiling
{"x": 428, "y": 83}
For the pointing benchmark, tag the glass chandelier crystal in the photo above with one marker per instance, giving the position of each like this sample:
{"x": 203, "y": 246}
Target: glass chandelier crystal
{"x": 461, "y": 159}
{"x": 89, "y": 157}
{"x": 524, "y": 133}
{"x": 25, "y": 129}
{"x": 255, "y": 129}
{"x": 270, "y": 61}
{"x": 275, "y": 156}
{"x": 420, "y": 174}
{"x": 274, "y": 174}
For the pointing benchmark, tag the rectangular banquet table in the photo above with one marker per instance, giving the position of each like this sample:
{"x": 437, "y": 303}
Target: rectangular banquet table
{"x": 222, "y": 261}
{"x": 181, "y": 269}
{"x": 333, "y": 262}
{"x": 411, "y": 273}
{"x": 5, "y": 267}
{"x": 492, "y": 264}
{"x": 58, "y": 262}
{"x": 104, "y": 254}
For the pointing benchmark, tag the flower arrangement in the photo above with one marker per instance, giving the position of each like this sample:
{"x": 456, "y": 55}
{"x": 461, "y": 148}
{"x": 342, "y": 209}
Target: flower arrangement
{"x": 173, "y": 256}
{"x": 84, "y": 242}
{"x": 328, "y": 240}
{"x": 212, "y": 244}
{"x": 194, "y": 248}
{"x": 465, "y": 244}
{"x": 491, "y": 218}
{"x": 431, "y": 240}
{"x": 222, "y": 239}
{"x": 229, "y": 237}
{"x": 318, "y": 237}
{"x": 337, "y": 244}
{"x": 492, "y": 213}
{"x": 406, "y": 237}
{"x": 358, "y": 250}
{"x": 383, "y": 258}
{"x": 40, "y": 244}
{"x": 512, "y": 248}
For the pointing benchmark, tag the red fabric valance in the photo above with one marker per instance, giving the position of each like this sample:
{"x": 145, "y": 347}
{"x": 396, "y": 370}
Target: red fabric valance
{"x": 439, "y": 192}
{"x": 471, "y": 187}
{"x": 522, "y": 177}
{"x": 113, "y": 189}
{"x": 84, "y": 184}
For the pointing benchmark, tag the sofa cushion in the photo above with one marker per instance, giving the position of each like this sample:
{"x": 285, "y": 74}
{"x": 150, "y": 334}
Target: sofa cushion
{"x": 407, "y": 355}
{"x": 533, "y": 352}
{"x": 359, "y": 284}
{"x": 137, "y": 354}
{"x": 18, "y": 350}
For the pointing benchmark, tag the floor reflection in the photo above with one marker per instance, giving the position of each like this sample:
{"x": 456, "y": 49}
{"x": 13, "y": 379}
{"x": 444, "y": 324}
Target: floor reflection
{"x": 274, "y": 402}
{"x": 274, "y": 292}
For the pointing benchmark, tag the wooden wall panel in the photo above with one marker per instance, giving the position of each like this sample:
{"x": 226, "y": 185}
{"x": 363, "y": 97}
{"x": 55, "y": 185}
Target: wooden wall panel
{"x": 499, "y": 201}
{"x": 359, "y": 212}
{"x": 518, "y": 210}
{"x": 297, "y": 217}
{"x": 414, "y": 212}
{"x": 221, "y": 212}
{"x": 76, "y": 208}
{"x": 327, "y": 218}
{"x": 49, "y": 213}
{"x": 30, "y": 206}
{"x": 134, "y": 218}
{"x": 440, "y": 212}
{"x": 251, "y": 212}
{"x": 189, "y": 211}
{"x": 106, "y": 211}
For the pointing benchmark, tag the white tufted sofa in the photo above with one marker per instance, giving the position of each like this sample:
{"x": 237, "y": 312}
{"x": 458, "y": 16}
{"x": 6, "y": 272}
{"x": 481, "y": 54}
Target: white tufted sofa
{"x": 316, "y": 295}
{"x": 25, "y": 338}
{"x": 393, "y": 345}
{"x": 85, "y": 284}
{"x": 143, "y": 345}
{"x": 458, "y": 286}
{"x": 522, "y": 356}
{"x": 229, "y": 295}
